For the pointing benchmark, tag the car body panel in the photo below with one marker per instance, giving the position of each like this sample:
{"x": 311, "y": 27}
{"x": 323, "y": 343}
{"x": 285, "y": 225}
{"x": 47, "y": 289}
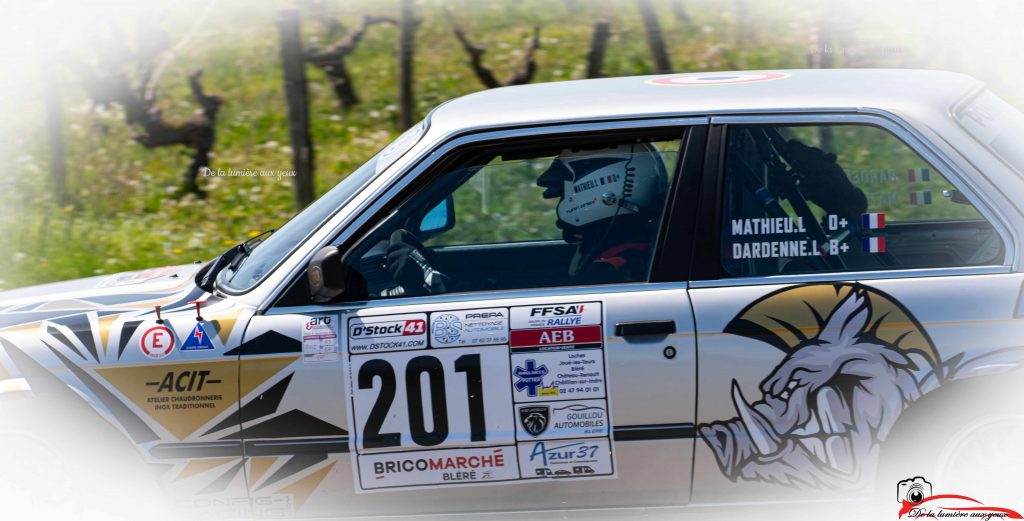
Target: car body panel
{"x": 89, "y": 334}
{"x": 970, "y": 336}
{"x": 657, "y": 477}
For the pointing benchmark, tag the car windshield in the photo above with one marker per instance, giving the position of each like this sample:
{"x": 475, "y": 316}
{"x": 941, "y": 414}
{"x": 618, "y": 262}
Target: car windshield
{"x": 273, "y": 250}
{"x": 997, "y": 125}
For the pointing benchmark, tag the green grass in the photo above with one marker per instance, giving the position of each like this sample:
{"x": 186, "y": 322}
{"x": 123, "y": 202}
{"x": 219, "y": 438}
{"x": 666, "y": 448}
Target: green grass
{"x": 125, "y": 215}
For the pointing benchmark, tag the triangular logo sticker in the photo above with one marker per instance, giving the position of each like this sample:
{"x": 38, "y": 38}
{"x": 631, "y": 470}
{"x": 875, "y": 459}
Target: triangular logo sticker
{"x": 197, "y": 340}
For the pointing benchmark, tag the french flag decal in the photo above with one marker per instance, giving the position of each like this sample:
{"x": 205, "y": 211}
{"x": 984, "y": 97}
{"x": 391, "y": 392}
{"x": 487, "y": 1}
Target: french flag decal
{"x": 919, "y": 198}
{"x": 872, "y": 221}
{"x": 874, "y": 244}
{"x": 918, "y": 174}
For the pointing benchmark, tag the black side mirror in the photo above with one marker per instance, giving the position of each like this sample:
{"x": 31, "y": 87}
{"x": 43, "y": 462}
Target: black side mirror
{"x": 329, "y": 278}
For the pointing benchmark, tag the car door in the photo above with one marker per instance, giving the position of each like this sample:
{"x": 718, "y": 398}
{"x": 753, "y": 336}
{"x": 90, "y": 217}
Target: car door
{"x": 854, "y": 274}
{"x": 530, "y": 391}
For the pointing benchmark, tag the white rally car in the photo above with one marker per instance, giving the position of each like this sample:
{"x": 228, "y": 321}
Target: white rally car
{"x": 677, "y": 291}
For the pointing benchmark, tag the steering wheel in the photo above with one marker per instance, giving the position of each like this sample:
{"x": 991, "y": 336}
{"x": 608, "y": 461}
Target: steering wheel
{"x": 412, "y": 265}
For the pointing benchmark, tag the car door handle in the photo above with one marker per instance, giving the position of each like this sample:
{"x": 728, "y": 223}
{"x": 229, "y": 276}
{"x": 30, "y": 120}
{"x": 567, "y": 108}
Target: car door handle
{"x": 647, "y": 327}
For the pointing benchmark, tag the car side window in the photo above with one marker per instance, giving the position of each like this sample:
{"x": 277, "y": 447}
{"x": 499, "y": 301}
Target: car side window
{"x": 824, "y": 198}
{"x": 499, "y": 203}
{"x": 526, "y": 215}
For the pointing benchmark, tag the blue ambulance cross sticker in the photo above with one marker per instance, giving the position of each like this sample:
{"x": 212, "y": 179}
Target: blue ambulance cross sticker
{"x": 197, "y": 340}
{"x": 531, "y": 377}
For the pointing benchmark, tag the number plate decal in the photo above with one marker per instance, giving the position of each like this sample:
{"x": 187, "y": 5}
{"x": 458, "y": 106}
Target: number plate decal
{"x": 473, "y": 409}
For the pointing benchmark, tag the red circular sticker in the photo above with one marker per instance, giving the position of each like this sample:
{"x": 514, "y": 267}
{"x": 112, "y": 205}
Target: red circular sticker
{"x": 730, "y": 78}
{"x": 157, "y": 342}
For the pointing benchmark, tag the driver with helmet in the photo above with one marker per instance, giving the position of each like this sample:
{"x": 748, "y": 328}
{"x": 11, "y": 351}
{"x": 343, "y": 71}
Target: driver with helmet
{"x": 610, "y": 204}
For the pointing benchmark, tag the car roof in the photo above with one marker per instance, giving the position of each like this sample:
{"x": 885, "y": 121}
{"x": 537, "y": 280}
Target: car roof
{"x": 901, "y": 91}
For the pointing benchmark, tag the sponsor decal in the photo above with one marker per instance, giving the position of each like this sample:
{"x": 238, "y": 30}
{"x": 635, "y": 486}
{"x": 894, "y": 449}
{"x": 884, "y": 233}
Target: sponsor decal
{"x": 446, "y": 328}
{"x": 534, "y": 419}
{"x": 157, "y": 342}
{"x": 575, "y": 419}
{"x": 558, "y": 375}
{"x": 393, "y": 333}
{"x": 530, "y": 377}
{"x": 589, "y": 417}
{"x": 565, "y": 458}
{"x": 182, "y": 398}
{"x": 183, "y": 381}
{"x": 916, "y": 501}
{"x": 580, "y": 206}
{"x": 556, "y": 336}
{"x": 872, "y": 221}
{"x": 468, "y": 410}
{"x": 320, "y": 339}
{"x": 556, "y": 315}
{"x": 437, "y": 467}
{"x": 740, "y": 78}
{"x": 470, "y": 327}
{"x": 197, "y": 340}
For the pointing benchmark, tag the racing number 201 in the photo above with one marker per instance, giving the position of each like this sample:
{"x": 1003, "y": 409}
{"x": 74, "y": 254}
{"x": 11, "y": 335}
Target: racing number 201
{"x": 469, "y": 364}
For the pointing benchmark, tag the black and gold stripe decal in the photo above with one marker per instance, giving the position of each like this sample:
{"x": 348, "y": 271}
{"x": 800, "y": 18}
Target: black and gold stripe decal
{"x": 339, "y": 444}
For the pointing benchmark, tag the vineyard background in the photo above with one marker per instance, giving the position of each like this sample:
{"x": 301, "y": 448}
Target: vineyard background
{"x": 123, "y": 207}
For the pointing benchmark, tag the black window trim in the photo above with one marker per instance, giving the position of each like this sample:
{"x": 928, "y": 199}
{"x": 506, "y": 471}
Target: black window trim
{"x": 673, "y": 256}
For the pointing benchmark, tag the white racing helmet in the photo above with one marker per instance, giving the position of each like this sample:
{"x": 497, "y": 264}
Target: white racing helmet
{"x": 599, "y": 184}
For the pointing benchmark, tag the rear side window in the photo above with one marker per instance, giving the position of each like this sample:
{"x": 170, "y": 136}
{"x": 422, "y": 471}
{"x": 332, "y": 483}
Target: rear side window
{"x": 824, "y": 198}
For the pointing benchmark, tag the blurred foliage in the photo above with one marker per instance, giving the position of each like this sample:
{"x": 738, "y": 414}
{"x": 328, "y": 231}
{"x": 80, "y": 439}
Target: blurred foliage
{"x": 125, "y": 214}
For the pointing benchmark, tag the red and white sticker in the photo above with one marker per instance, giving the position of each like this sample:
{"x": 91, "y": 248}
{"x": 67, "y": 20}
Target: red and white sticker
{"x": 391, "y": 333}
{"x": 555, "y": 336}
{"x": 320, "y": 339}
{"x": 731, "y": 78}
{"x": 157, "y": 342}
{"x": 437, "y": 467}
